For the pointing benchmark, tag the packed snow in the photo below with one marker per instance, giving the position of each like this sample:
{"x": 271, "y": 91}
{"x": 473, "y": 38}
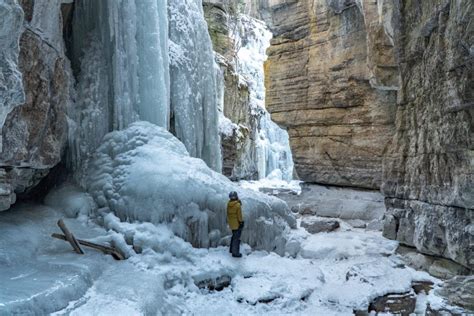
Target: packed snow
{"x": 164, "y": 210}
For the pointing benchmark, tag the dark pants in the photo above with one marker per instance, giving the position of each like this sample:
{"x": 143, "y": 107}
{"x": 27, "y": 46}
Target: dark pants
{"x": 235, "y": 242}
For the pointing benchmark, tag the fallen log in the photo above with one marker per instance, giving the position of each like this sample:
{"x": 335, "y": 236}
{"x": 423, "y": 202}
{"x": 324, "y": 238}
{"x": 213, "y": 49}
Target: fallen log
{"x": 105, "y": 249}
{"x": 70, "y": 237}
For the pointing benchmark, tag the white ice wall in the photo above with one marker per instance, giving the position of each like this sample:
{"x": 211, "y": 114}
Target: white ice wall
{"x": 194, "y": 89}
{"x": 121, "y": 51}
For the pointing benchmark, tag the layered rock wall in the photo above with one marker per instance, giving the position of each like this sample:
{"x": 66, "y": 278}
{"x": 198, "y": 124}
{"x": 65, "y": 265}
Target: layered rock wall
{"x": 380, "y": 94}
{"x": 330, "y": 79}
{"x": 429, "y": 165}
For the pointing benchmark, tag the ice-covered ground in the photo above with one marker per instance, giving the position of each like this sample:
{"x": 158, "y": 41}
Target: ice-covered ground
{"x": 335, "y": 273}
{"x": 273, "y": 184}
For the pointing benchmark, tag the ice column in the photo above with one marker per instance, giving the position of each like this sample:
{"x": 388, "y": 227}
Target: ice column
{"x": 194, "y": 88}
{"x": 120, "y": 52}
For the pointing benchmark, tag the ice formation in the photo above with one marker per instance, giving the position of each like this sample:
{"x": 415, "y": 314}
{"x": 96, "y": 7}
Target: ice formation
{"x": 120, "y": 51}
{"x": 273, "y": 150}
{"x": 194, "y": 86}
{"x": 272, "y": 143}
{"x": 136, "y": 58}
{"x": 143, "y": 173}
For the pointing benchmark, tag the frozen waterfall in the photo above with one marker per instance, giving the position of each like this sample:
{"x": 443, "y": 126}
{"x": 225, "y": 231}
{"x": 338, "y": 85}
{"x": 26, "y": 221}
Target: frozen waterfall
{"x": 123, "y": 68}
{"x": 273, "y": 147}
{"x": 121, "y": 54}
{"x": 194, "y": 87}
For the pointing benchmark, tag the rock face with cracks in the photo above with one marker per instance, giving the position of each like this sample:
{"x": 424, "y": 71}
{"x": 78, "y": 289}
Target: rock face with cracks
{"x": 145, "y": 174}
{"x": 428, "y": 167}
{"x": 331, "y": 80}
{"x": 379, "y": 94}
{"x": 35, "y": 74}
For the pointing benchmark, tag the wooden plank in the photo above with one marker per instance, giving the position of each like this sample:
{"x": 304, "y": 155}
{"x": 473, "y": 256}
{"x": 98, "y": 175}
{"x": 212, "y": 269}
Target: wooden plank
{"x": 70, "y": 237}
{"x": 105, "y": 249}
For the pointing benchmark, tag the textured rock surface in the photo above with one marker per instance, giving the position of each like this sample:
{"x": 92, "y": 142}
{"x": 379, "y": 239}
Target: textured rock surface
{"x": 459, "y": 291}
{"x": 428, "y": 168}
{"x": 11, "y": 88}
{"x": 330, "y": 75}
{"x": 315, "y": 225}
{"x": 436, "y": 266}
{"x": 398, "y": 304}
{"x": 34, "y": 132}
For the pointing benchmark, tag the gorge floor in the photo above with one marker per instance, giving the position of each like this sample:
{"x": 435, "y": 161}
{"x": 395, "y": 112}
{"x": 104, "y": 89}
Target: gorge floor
{"x": 335, "y": 273}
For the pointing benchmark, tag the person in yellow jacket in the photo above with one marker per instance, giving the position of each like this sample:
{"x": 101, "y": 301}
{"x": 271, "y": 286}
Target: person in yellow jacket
{"x": 236, "y": 223}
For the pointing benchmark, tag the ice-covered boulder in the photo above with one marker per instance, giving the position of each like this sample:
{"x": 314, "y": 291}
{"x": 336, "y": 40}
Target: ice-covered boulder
{"x": 145, "y": 174}
{"x": 317, "y": 225}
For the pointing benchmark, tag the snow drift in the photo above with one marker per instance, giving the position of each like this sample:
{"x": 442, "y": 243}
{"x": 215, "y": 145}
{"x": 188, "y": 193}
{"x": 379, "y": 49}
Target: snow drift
{"x": 143, "y": 173}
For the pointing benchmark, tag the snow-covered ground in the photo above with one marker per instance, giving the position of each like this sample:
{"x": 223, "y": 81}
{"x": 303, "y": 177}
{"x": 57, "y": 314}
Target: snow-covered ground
{"x": 334, "y": 273}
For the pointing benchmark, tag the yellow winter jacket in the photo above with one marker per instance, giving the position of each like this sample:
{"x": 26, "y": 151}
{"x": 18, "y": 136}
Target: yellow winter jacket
{"x": 234, "y": 214}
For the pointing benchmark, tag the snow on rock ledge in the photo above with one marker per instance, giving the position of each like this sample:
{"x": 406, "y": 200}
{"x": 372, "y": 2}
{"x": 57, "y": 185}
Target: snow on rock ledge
{"x": 145, "y": 174}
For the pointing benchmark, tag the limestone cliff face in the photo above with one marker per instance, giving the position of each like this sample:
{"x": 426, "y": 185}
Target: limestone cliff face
{"x": 331, "y": 77}
{"x": 34, "y": 130}
{"x": 429, "y": 165}
{"x": 380, "y": 94}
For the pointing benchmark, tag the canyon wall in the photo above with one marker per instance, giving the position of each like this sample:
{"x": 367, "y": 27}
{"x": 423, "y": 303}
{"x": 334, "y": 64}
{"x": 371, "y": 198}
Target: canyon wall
{"x": 379, "y": 94}
{"x": 428, "y": 177}
{"x": 331, "y": 78}
{"x": 34, "y": 92}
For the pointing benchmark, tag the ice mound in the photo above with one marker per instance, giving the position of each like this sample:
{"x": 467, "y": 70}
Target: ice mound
{"x": 145, "y": 174}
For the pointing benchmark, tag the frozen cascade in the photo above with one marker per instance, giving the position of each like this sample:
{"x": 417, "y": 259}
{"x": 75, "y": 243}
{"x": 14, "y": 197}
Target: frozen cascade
{"x": 273, "y": 148}
{"x": 121, "y": 51}
{"x": 123, "y": 68}
{"x": 194, "y": 86}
